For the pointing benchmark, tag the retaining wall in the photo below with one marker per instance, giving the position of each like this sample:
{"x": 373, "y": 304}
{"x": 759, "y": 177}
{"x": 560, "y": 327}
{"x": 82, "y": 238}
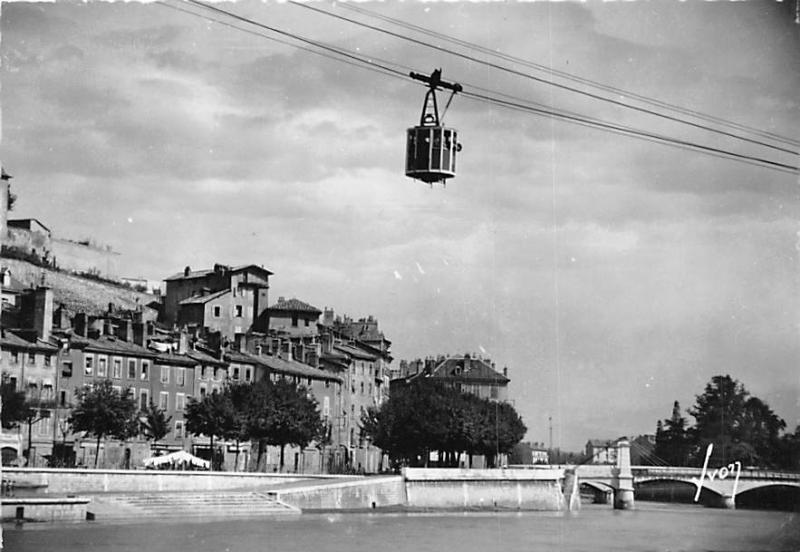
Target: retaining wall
{"x": 539, "y": 489}
{"x": 369, "y": 492}
{"x": 67, "y": 481}
{"x": 45, "y": 509}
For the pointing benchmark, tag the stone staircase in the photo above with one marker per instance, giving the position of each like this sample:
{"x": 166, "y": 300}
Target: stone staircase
{"x": 209, "y": 504}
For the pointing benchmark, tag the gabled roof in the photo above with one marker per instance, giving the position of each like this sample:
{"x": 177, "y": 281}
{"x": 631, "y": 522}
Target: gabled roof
{"x": 355, "y": 352}
{"x": 26, "y": 223}
{"x": 465, "y": 368}
{"x": 202, "y": 358}
{"x": 112, "y": 345}
{"x": 205, "y": 272}
{"x": 201, "y": 299}
{"x": 294, "y": 305}
{"x": 13, "y": 341}
{"x": 292, "y": 367}
{"x": 238, "y": 356}
{"x": 176, "y": 359}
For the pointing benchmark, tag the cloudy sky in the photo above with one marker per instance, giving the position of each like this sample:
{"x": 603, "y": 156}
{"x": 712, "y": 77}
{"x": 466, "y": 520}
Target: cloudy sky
{"x": 610, "y": 275}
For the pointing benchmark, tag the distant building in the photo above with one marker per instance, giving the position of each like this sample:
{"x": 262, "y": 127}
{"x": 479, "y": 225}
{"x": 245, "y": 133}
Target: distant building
{"x": 526, "y": 453}
{"x": 600, "y": 451}
{"x": 32, "y": 236}
{"x": 224, "y": 299}
{"x": 466, "y": 373}
{"x": 643, "y": 450}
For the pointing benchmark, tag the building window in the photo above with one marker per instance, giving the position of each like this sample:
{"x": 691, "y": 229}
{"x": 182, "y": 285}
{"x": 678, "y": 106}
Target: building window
{"x": 163, "y": 400}
{"x": 238, "y": 311}
{"x": 294, "y": 321}
{"x": 118, "y": 389}
{"x": 217, "y": 311}
{"x": 66, "y": 369}
{"x": 326, "y": 407}
{"x": 180, "y": 402}
{"x": 62, "y": 399}
{"x": 116, "y": 370}
{"x": 14, "y": 357}
{"x": 88, "y": 367}
{"x": 31, "y": 358}
{"x": 102, "y": 365}
{"x": 145, "y": 370}
{"x": 308, "y": 382}
{"x": 362, "y": 387}
{"x": 48, "y": 359}
{"x": 165, "y": 374}
{"x": 235, "y": 373}
{"x": 327, "y": 383}
{"x": 179, "y": 429}
{"x": 248, "y": 374}
{"x": 494, "y": 391}
{"x": 131, "y": 368}
{"x": 180, "y": 376}
{"x": 202, "y": 391}
{"x": 43, "y": 427}
{"x": 307, "y": 322}
{"x": 144, "y": 401}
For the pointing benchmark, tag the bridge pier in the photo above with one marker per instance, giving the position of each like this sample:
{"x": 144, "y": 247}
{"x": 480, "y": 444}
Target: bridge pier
{"x": 603, "y": 497}
{"x": 623, "y": 487}
{"x": 727, "y": 502}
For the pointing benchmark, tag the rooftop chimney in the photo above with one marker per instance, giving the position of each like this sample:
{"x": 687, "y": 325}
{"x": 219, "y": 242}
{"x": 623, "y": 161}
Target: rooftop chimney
{"x": 186, "y": 271}
{"x": 80, "y": 324}
{"x": 43, "y": 312}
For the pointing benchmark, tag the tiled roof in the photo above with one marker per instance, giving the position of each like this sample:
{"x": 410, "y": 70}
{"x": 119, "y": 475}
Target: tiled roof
{"x": 12, "y": 340}
{"x": 467, "y": 369}
{"x": 355, "y": 352}
{"x": 202, "y": 358}
{"x": 175, "y": 359}
{"x": 237, "y": 356}
{"x": 110, "y": 344}
{"x": 205, "y": 272}
{"x": 200, "y": 299}
{"x": 295, "y": 368}
{"x": 294, "y": 305}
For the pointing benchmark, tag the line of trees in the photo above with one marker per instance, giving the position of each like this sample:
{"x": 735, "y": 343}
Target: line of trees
{"x": 269, "y": 413}
{"x": 427, "y": 416}
{"x": 740, "y": 426}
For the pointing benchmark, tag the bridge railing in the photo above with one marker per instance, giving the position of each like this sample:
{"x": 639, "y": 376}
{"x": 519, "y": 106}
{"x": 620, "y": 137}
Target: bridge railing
{"x": 676, "y": 471}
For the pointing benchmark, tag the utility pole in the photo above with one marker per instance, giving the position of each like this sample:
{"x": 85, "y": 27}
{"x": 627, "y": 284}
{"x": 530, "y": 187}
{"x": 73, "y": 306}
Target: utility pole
{"x": 550, "y": 419}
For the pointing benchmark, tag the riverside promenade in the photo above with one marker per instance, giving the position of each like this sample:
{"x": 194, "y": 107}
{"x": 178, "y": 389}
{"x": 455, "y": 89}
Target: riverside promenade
{"x": 75, "y": 495}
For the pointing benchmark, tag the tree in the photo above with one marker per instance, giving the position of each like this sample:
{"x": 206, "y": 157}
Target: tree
{"x": 429, "y": 416}
{"x": 283, "y": 413}
{"x": 15, "y": 407}
{"x": 739, "y": 426}
{"x": 239, "y": 394}
{"x": 672, "y": 439}
{"x": 212, "y": 416}
{"x": 103, "y": 411}
{"x": 154, "y": 423}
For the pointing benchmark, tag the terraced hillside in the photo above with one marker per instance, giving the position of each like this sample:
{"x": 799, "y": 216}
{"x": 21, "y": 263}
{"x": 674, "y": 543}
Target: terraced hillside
{"x": 76, "y": 293}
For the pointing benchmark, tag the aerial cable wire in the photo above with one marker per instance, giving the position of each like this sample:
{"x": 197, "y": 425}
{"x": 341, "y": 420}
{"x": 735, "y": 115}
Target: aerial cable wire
{"x": 717, "y": 152}
{"x": 366, "y": 62}
{"x": 285, "y": 42}
{"x": 575, "y": 78}
{"x": 541, "y": 80}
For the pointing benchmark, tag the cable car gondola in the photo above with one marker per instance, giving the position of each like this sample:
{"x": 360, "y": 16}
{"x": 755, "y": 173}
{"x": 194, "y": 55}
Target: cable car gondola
{"x": 431, "y": 147}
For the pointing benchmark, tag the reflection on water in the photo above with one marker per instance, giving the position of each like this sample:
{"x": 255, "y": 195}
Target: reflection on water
{"x": 649, "y": 527}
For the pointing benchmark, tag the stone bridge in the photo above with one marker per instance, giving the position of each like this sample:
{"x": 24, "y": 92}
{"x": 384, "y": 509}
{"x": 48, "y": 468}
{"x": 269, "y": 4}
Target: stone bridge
{"x": 726, "y": 482}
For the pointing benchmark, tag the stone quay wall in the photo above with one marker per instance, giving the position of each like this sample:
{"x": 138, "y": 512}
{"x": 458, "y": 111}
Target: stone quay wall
{"x": 366, "y": 493}
{"x": 517, "y": 489}
{"x": 72, "y": 481}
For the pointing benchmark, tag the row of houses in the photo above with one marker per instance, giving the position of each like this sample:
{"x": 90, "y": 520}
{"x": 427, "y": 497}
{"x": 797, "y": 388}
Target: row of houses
{"x": 215, "y": 326}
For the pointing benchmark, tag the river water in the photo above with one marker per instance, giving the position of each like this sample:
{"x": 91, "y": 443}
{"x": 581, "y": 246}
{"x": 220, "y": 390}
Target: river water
{"x": 650, "y": 527}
